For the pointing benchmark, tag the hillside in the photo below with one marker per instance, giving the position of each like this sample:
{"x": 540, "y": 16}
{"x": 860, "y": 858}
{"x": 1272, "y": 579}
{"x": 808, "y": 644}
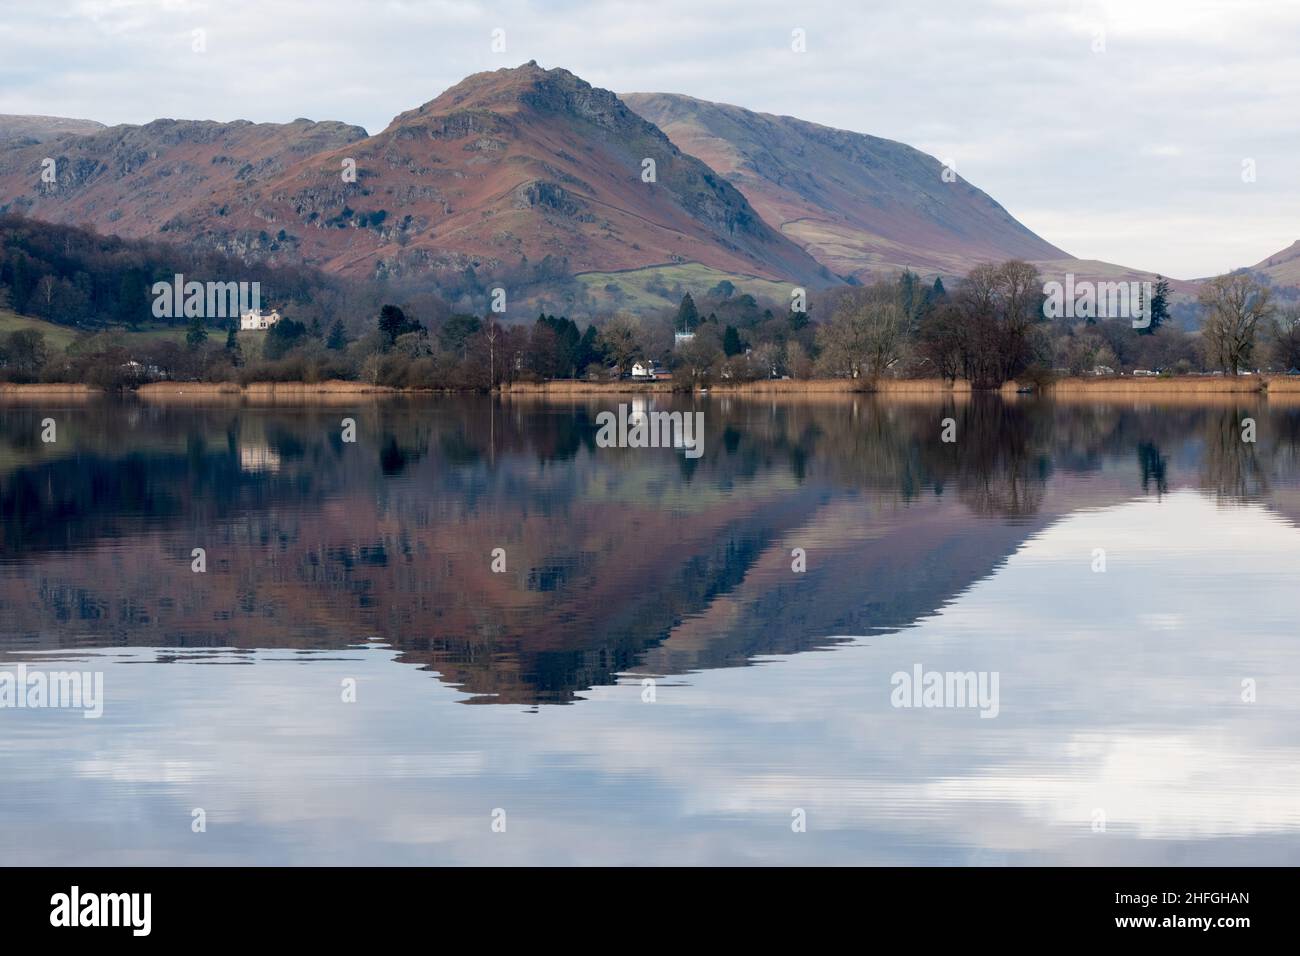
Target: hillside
{"x": 133, "y": 180}
{"x": 860, "y": 204}
{"x": 38, "y": 129}
{"x": 1282, "y": 267}
{"x": 59, "y": 337}
{"x": 505, "y": 168}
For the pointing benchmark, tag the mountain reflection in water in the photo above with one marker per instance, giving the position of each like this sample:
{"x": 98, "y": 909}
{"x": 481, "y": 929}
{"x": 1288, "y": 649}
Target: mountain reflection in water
{"x": 617, "y": 560}
{"x": 1159, "y": 697}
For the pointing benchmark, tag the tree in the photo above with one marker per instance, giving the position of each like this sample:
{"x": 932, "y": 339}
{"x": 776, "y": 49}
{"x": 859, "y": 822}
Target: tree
{"x": 282, "y": 337}
{"x": 588, "y": 349}
{"x": 393, "y": 322}
{"x": 1158, "y": 308}
{"x": 25, "y": 352}
{"x": 1286, "y": 339}
{"x": 865, "y": 334}
{"x": 914, "y": 297}
{"x": 939, "y": 340}
{"x": 338, "y": 337}
{"x": 731, "y": 344}
{"x": 1000, "y": 306}
{"x": 232, "y": 347}
{"x": 688, "y": 316}
{"x": 197, "y": 334}
{"x": 456, "y": 332}
{"x": 557, "y": 347}
{"x": 545, "y": 350}
{"x": 491, "y": 335}
{"x": 1235, "y": 305}
{"x": 696, "y": 358}
{"x": 45, "y": 290}
{"x": 620, "y": 340}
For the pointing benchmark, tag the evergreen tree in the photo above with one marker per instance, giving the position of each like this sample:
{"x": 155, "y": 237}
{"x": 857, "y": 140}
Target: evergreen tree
{"x": 688, "y": 317}
{"x": 1158, "y": 308}
{"x": 731, "y": 344}
{"x": 588, "y": 349}
{"x": 338, "y": 339}
{"x": 392, "y": 322}
{"x": 197, "y": 334}
{"x": 232, "y": 346}
{"x": 282, "y": 337}
{"x": 457, "y": 331}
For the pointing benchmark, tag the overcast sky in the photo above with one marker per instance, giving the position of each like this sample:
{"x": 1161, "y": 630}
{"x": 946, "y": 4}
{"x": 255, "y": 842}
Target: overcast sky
{"x": 1116, "y": 129}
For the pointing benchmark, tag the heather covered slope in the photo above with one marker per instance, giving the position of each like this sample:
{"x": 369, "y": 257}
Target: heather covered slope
{"x": 862, "y": 205}
{"x": 134, "y": 181}
{"x": 505, "y": 167}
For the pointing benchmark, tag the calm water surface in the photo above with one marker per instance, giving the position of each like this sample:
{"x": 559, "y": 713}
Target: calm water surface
{"x": 1147, "y": 712}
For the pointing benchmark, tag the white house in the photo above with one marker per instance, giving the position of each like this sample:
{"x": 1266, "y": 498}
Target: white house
{"x": 650, "y": 371}
{"x": 262, "y": 319}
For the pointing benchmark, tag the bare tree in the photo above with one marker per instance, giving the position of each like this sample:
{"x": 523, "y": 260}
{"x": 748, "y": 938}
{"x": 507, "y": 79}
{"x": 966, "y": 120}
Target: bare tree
{"x": 1235, "y": 305}
{"x": 1286, "y": 339}
{"x": 1000, "y": 305}
{"x": 866, "y": 332}
{"x": 620, "y": 340}
{"x": 492, "y": 332}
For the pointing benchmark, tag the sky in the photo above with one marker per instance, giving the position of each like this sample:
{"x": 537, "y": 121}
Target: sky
{"x": 1157, "y": 134}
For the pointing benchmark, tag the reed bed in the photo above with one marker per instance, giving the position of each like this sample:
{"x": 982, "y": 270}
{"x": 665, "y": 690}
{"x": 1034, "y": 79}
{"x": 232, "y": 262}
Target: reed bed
{"x": 1181, "y": 385}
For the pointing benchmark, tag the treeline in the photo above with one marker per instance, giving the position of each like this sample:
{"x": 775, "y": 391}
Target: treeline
{"x": 989, "y": 328}
{"x": 79, "y": 278}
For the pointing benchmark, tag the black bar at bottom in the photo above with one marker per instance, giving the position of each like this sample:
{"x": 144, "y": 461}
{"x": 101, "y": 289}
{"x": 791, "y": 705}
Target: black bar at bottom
{"x": 373, "y": 904}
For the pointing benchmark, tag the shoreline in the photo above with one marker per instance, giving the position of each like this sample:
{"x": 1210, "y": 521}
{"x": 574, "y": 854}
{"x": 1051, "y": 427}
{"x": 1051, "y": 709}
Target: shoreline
{"x": 1182, "y": 387}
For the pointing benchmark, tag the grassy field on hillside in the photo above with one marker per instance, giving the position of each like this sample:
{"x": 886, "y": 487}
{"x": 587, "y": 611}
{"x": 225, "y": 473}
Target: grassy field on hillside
{"x": 59, "y": 337}
{"x": 633, "y": 295}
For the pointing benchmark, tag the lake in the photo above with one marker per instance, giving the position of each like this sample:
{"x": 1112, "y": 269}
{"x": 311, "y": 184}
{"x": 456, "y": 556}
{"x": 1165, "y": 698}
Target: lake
{"x": 474, "y": 634}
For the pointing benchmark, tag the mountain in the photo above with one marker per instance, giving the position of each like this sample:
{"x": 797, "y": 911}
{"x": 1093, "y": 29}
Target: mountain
{"x": 506, "y": 166}
{"x": 133, "y": 180}
{"x": 38, "y": 129}
{"x": 862, "y": 205}
{"x": 1282, "y": 267}
{"x": 509, "y": 165}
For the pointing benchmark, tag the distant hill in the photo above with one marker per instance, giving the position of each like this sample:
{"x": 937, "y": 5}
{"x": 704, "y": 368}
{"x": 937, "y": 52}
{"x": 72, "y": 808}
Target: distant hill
{"x": 134, "y": 180}
{"x": 507, "y": 166}
{"x": 1282, "y": 267}
{"x": 531, "y": 176}
{"x": 38, "y": 129}
{"x": 862, "y": 205}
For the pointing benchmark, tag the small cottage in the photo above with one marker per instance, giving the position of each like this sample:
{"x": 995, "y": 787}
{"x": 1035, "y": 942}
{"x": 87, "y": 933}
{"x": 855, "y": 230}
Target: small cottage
{"x": 258, "y": 320}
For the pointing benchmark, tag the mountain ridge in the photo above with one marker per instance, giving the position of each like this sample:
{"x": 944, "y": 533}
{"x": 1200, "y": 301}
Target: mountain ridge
{"x": 862, "y": 204}
{"x": 506, "y": 167}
